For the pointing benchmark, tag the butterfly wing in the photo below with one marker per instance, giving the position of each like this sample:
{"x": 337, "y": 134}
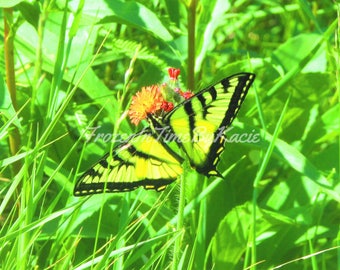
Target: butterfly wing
{"x": 141, "y": 161}
{"x": 199, "y": 122}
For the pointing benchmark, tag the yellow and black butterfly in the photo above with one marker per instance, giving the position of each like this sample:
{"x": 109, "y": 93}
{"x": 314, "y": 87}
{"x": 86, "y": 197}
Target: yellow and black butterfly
{"x": 197, "y": 125}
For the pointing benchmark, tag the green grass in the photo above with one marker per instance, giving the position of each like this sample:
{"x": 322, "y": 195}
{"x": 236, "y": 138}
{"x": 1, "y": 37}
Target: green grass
{"x": 75, "y": 69}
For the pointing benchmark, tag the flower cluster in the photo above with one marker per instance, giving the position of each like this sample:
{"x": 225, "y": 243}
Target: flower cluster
{"x": 148, "y": 100}
{"x": 154, "y": 99}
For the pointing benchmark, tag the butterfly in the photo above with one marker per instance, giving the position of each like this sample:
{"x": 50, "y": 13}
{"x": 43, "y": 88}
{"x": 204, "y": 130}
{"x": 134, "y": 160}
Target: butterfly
{"x": 146, "y": 160}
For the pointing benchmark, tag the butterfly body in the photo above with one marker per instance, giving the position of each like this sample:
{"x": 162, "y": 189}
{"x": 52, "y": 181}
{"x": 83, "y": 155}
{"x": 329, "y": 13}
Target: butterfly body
{"x": 197, "y": 125}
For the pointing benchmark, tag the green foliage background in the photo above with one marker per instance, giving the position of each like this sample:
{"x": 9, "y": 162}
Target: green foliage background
{"x": 77, "y": 65}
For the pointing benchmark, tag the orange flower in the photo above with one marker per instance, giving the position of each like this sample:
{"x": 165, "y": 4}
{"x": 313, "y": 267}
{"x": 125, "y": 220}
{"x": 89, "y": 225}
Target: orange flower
{"x": 148, "y": 100}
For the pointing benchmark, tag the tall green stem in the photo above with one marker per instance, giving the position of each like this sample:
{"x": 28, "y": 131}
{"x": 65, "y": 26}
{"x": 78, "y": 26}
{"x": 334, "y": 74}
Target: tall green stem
{"x": 14, "y": 136}
{"x": 37, "y": 73}
{"x": 191, "y": 43}
{"x": 180, "y": 222}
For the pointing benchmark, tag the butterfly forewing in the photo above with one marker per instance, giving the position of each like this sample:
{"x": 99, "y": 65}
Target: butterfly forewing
{"x": 199, "y": 122}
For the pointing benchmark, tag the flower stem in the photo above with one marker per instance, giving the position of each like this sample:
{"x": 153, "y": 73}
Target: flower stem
{"x": 191, "y": 8}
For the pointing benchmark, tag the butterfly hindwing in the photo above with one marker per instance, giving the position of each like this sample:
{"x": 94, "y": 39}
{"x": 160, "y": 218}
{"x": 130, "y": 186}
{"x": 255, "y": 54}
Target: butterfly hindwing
{"x": 141, "y": 161}
{"x": 200, "y": 121}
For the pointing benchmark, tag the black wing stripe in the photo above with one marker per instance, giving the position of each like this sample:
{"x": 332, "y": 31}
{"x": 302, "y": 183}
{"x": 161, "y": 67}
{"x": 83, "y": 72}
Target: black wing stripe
{"x": 96, "y": 188}
{"x": 203, "y": 100}
{"x": 191, "y": 115}
{"x": 237, "y": 98}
